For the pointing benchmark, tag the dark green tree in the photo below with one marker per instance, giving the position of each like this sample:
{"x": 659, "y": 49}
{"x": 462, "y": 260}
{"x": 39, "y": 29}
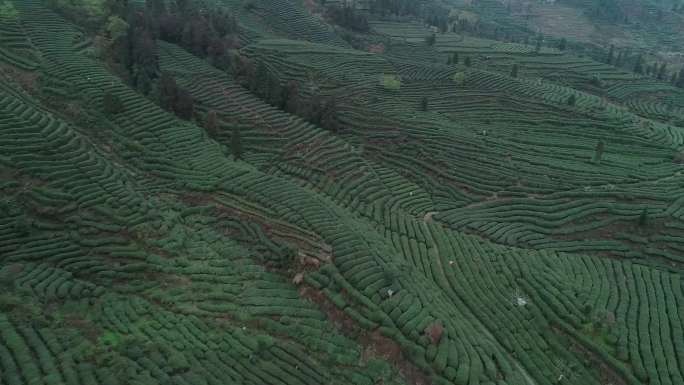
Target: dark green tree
{"x": 168, "y": 90}
{"x": 329, "y": 115}
{"x": 348, "y": 17}
{"x": 620, "y": 57}
{"x": 291, "y": 98}
{"x": 155, "y": 8}
{"x": 142, "y": 63}
{"x": 454, "y": 58}
{"x": 218, "y": 54}
{"x": 278, "y": 93}
{"x": 611, "y": 52}
{"x": 424, "y": 103}
{"x": 562, "y": 45}
{"x": 466, "y": 61}
{"x": 175, "y": 99}
{"x": 236, "y": 143}
{"x": 182, "y": 6}
{"x": 22, "y": 226}
{"x": 112, "y": 103}
{"x": 571, "y": 100}
{"x": 643, "y": 217}
{"x": 639, "y": 66}
{"x": 538, "y": 45}
{"x": 598, "y": 152}
{"x": 142, "y": 82}
{"x": 260, "y": 82}
{"x": 514, "y": 71}
{"x": 117, "y": 7}
{"x": 431, "y": 39}
{"x": 184, "y": 105}
{"x": 211, "y": 124}
{"x": 312, "y": 110}
{"x": 680, "y": 79}
{"x": 662, "y": 72}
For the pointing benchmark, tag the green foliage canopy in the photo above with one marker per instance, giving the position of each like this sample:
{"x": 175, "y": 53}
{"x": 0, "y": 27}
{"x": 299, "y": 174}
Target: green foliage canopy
{"x": 7, "y": 11}
{"x": 116, "y": 27}
{"x": 390, "y": 82}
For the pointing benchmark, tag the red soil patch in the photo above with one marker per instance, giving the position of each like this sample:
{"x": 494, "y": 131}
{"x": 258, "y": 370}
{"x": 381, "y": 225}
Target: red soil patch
{"x": 343, "y": 322}
{"x": 376, "y": 48}
{"x": 435, "y": 332}
{"x": 375, "y": 344}
{"x": 311, "y": 6}
{"x": 91, "y": 332}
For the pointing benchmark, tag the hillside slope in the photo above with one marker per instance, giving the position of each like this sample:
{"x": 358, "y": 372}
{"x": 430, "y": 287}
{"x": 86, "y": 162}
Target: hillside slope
{"x": 437, "y": 223}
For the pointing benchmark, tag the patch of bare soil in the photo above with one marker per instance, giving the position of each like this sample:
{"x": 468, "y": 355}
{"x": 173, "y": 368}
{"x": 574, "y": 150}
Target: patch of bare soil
{"x": 376, "y": 48}
{"x": 607, "y": 374}
{"x": 374, "y": 343}
{"x": 278, "y": 232}
{"x": 26, "y": 80}
{"x": 89, "y": 330}
{"x": 428, "y": 216}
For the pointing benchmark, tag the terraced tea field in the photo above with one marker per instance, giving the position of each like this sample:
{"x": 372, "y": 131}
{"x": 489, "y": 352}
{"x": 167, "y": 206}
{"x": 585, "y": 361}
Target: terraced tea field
{"x": 458, "y": 225}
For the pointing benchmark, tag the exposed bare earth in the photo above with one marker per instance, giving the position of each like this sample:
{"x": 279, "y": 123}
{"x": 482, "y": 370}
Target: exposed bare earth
{"x": 374, "y": 343}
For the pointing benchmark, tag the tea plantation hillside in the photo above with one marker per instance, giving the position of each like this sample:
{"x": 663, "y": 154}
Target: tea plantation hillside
{"x": 301, "y": 193}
